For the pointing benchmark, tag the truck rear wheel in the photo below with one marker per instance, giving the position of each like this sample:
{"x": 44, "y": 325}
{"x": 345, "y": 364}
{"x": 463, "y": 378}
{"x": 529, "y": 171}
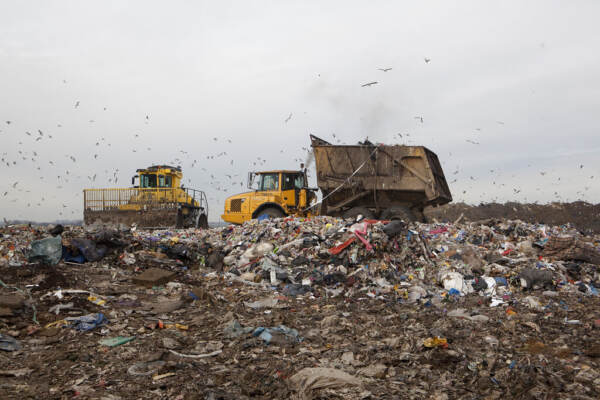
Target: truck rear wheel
{"x": 203, "y": 222}
{"x": 399, "y": 213}
{"x": 270, "y": 212}
{"x": 356, "y": 211}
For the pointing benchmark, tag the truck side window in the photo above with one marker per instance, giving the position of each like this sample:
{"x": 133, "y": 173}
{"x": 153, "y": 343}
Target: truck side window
{"x": 288, "y": 182}
{"x": 161, "y": 181}
{"x": 269, "y": 182}
{"x": 168, "y": 181}
{"x": 299, "y": 182}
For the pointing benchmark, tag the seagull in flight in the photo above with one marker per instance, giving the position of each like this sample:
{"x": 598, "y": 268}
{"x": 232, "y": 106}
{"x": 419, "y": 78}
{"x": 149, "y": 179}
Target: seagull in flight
{"x": 370, "y": 84}
{"x": 286, "y": 120}
{"x": 384, "y": 69}
{"x": 427, "y": 60}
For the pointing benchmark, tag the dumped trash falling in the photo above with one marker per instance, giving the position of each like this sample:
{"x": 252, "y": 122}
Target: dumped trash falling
{"x": 312, "y": 308}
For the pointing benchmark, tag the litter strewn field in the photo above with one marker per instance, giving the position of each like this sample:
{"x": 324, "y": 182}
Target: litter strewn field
{"x": 301, "y": 308}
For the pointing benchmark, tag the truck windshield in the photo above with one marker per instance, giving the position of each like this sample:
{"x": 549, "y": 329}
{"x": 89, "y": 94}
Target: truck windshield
{"x": 148, "y": 181}
{"x": 269, "y": 182}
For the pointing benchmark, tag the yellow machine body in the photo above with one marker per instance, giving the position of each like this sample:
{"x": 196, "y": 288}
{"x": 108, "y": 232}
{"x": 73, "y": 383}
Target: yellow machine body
{"x": 276, "y": 194}
{"x": 159, "y": 200}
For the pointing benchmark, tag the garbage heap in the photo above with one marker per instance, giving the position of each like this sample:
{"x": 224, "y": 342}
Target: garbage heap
{"x": 301, "y": 308}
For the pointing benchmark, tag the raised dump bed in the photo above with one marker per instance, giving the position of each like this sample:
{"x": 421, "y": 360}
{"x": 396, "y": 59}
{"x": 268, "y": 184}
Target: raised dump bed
{"x": 385, "y": 181}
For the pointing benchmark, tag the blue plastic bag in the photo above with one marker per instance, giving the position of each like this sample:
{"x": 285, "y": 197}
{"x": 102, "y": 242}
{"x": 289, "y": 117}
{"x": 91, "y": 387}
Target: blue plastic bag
{"x": 87, "y": 322}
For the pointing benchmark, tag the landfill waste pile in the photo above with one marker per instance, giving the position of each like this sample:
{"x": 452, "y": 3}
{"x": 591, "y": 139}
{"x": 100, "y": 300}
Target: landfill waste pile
{"x": 301, "y": 309}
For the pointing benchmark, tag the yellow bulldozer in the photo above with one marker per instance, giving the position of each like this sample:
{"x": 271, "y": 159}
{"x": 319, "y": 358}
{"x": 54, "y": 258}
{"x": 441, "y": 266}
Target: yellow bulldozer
{"x": 373, "y": 180}
{"x": 158, "y": 201}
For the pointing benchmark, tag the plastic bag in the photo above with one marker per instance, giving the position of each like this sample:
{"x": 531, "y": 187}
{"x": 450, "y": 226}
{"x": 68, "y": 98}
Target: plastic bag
{"x": 89, "y": 249}
{"x": 310, "y": 379}
{"x": 47, "y": 251}
{"x": 87, "y": 322}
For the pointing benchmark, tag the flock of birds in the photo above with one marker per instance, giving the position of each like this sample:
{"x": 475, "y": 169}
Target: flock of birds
{"x": 216, "y": 186}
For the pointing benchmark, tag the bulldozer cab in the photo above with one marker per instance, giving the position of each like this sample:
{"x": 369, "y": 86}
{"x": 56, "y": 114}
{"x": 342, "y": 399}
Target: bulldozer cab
{"x": 158, "y": 178}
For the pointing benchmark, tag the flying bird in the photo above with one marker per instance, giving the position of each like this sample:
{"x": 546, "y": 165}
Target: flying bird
{"x": 77, "y": 104}
{"x": 427, "y": 60}
{"x": 384, "y": 69}
{"x": 472, "y": 141}
{"x": 370, "y": 84}
{"x": 286, "y": 120}
{"x": 420, "y": 119}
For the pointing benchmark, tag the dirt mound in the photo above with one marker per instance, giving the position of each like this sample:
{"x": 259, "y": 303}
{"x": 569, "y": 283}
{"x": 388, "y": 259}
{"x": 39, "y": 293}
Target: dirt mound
{"x": 581, "y": 214}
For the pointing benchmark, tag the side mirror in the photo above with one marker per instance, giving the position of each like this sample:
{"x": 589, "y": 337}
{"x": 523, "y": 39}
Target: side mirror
{"x": 250, "y": 180}
{"x": 133, "y": 180}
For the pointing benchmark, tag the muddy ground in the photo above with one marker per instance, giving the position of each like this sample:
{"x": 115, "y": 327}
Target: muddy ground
{"x": 536, "y": 356}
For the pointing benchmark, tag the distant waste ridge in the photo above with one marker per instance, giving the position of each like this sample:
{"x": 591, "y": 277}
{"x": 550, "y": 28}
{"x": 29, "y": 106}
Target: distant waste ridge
{"x": 581, "y": 214}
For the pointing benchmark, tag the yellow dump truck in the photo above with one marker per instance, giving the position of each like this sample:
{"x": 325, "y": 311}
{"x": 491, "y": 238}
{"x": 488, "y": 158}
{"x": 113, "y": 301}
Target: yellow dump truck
{"x": 374, "y": 180}
{"x": 275, "y": 194}
{"x": 158, "y": 201}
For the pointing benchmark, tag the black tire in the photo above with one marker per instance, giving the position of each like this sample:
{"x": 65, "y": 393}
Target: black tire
{"x": 272, "y": 212}
{"x": 399, "y": 213}
{"x": 356, "y": 211}
{"x": 203, "y": 222}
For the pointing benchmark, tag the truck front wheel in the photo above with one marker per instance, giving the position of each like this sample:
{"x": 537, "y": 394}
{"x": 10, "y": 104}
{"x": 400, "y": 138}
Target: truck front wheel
{"x": 270, "y": 212}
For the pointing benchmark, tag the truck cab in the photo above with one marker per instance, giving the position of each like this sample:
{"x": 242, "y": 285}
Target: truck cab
{"x": 273, "y": 194}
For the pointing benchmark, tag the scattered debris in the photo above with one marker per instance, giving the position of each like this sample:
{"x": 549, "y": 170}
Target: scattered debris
{"x": 312, "y": 308}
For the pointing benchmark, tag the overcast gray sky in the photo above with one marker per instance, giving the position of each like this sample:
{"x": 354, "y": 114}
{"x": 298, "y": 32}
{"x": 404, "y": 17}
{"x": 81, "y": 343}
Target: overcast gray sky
{"x": 519, "y": 78}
